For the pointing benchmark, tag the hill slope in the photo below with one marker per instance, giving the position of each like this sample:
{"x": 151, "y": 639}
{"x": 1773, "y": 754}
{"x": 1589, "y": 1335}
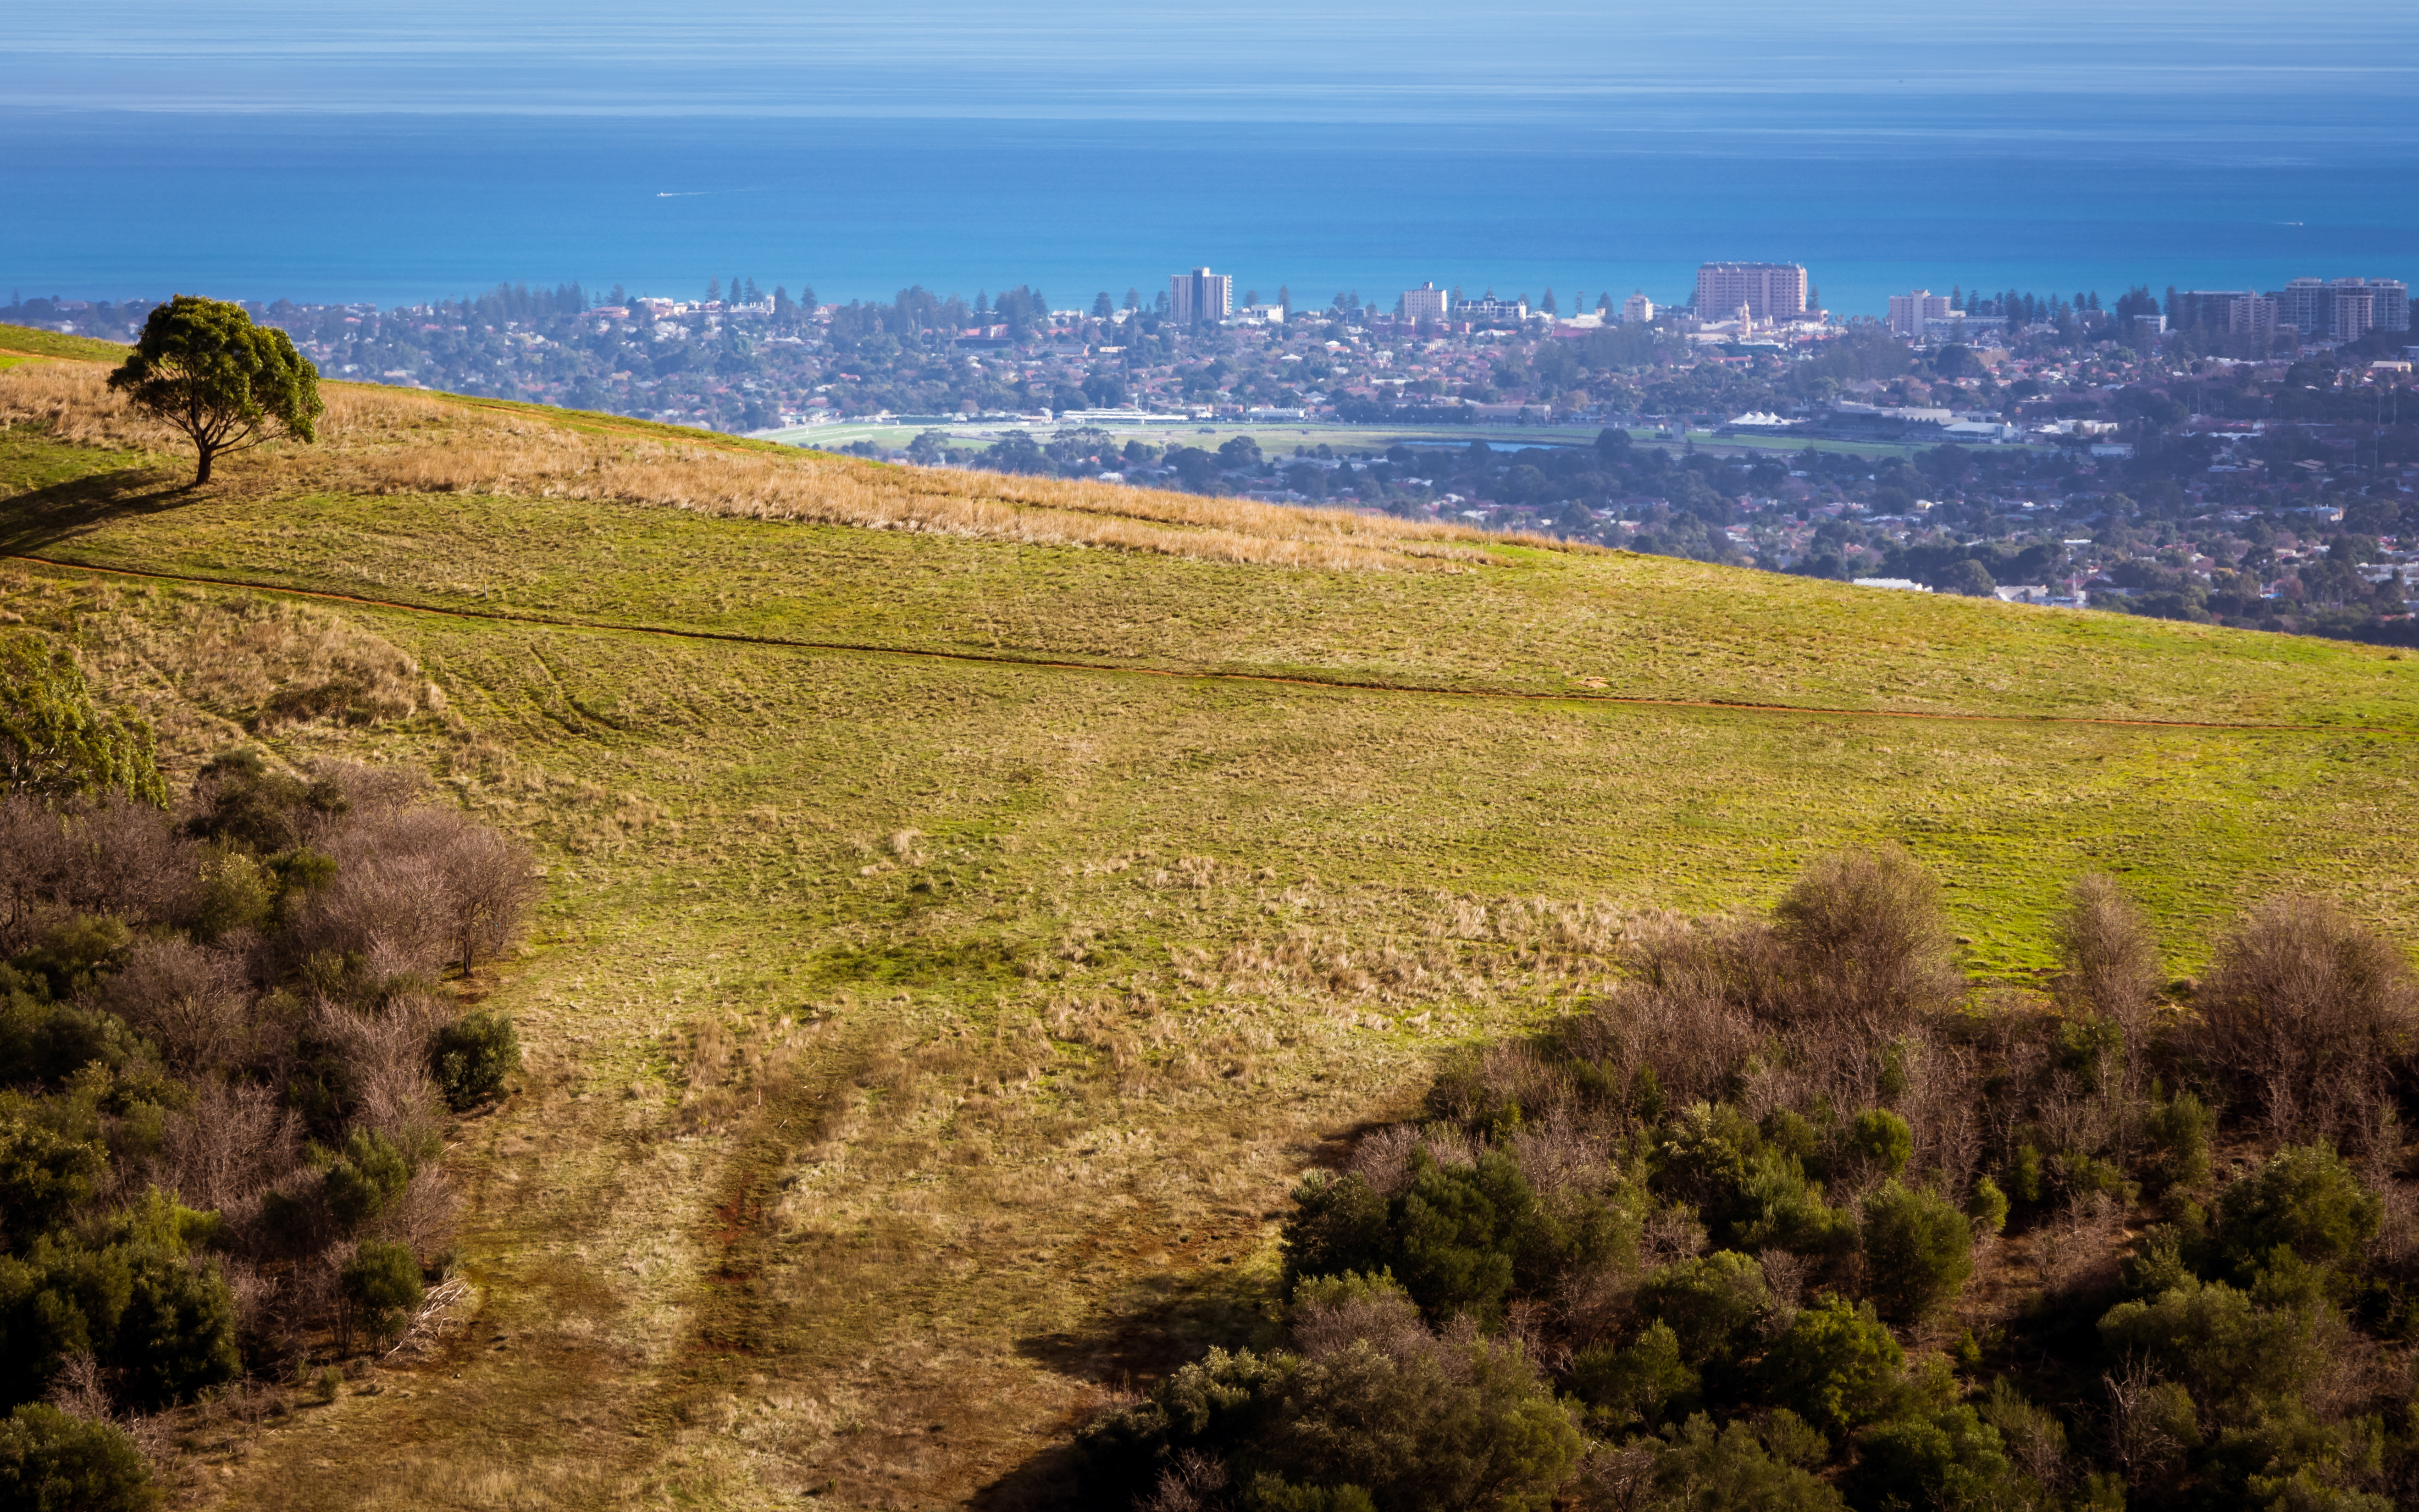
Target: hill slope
{"x": 924, "y": 1033}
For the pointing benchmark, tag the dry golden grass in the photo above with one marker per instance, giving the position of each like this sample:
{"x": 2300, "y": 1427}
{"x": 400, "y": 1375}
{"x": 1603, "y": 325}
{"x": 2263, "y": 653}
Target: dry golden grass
{"x": 386, "y": 441}
{"x": 217, "y": 668}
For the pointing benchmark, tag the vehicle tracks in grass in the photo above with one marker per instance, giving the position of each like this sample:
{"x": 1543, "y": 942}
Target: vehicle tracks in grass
{"x": 1206, "y": 674}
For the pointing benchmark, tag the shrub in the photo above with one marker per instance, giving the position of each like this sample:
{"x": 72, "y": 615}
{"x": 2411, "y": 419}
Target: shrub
{"x": 1453, "y": 1231}
{"x": 75, "y": 954}
{"x": 1450, "y": 1238}
{"x": 1709, "y": 1303}
{"x": 471, "y": 1056}
{"x": 2305, "y": 1200}
{"x": 55, "y": 741}
{"x": 1881, "y": 1139}
{"x": 1338, "y": 1226}
{"x": 1635, "y": 1384}
{"x": 1953, "y": 1459}
{"x": 2176, "y": 1133}
{"x": 1866, "y": 947}
{"x": 1780, "y": 1209}
{"x": 1918, "y": 1252}
{"x": 45, "y": 1172}
{"x": 53, "y": 1462}
{"x": 1836, "y": 1366}
{"x": 381, "y": 1283}
{"x": 1415, "y": 1422}
{"x": 167, "y": 1322}
{"x": 177, "y": 1333}
{"x": 2212, "y": 1339}
{"x": 1732, "y": 1467}
{"x": 366, "y": 1179}
{"x": 2111, "y": 964}
{"x": 2025, "y": 1174}
{"x": 1271, "y": 1493}
{"x": 2306, "y": 1014}
{"x": 1441, "y": 1424}
{"x": 1987, "y": 1207}
{"x": 2093, "y": 1048}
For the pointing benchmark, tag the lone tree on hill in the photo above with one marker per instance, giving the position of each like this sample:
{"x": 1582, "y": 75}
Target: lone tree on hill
{"x": 228, "y": 385}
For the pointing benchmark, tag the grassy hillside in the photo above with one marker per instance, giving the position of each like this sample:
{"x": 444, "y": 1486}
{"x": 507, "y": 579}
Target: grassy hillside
{"x": 921, "y": 1044}
{"x": 27, "y": 341}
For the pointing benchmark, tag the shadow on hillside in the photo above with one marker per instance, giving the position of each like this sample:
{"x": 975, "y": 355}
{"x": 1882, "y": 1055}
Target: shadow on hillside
{"x": 43, "y": 519}
{"x": 1159, "y": 1323}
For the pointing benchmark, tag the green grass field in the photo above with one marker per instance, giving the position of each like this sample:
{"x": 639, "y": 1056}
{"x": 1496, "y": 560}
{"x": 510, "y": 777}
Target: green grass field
{"x": 923, "y": 1035}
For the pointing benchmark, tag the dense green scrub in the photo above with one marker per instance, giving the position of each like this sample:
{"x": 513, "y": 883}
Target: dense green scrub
{"x": 1715, "y": 1242}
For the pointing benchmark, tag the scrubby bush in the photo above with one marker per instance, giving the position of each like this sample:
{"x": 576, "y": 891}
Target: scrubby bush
{"x": 2175, "y": 1134}
{"x": 55, "y": 740}
{"x": 1711, "y": 1304}
{"x": 1881, "y": 1140}
{"x": 1950, "y": 1459}
{"x": 1457, "y": 1238}
{"x": 1676, "y": 1266}
{"x": 1702, "y": 1467}
{"x": 1918, "y": 1252}
{"x": 1835, "y": 1365}
{"x": 2306, "y": 1016}
{"x": 1635, "y": 1384}
{"x": 2210, "y": 1338}
{"x": 53, "y": 1462}
{"x": 366, "y": 1179}
{"x": 472, "y": 1055}
{"x": 1987, "y": 1207}
{"x": 2307, "y": 1200}
{"x": 161, "y": 1317}
{"x": 1410, "y": 1419}
{"x": 382, "y": 1286}
{"x": 1864, "y": 947}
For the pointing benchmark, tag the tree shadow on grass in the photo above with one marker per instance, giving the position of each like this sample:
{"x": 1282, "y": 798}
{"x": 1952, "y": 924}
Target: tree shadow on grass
{"x": 1157, "y": 1324}
{"x": 40, "y": 520}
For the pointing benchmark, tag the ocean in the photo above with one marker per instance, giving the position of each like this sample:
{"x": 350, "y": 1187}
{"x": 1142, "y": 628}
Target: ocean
{"x": 359, "y": 164}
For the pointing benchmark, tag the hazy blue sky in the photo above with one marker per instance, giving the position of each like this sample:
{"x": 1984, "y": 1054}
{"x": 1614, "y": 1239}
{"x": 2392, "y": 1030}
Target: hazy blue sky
{"x": 2220, "y": 64}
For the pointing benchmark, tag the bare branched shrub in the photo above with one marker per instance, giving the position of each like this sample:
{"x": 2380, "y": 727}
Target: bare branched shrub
{"x": 386, "y": 1059}
{"x": 1384, "y": 1158}
{"x": 1333, "y": 1319}
{"x": 417, "y": 888}
{"x": 1506, "y": 1082}
{"x": 195, "y": 1002}
{"x": 120, "y": 860}
{"x": 33, "y": 858}
{"x": 234, "y": 1143}
{"x": 2110, "y": 962}
{"x": 1678, "y": 1015}
{"x": 2308, "y": 1014}
{"x": 1193, "y": 1482}
{"x": 1863, "y": 947}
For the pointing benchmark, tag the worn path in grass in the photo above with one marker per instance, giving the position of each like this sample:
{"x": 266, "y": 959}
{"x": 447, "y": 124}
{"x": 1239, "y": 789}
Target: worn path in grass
{"x": 1527, "y": 621}
{"x": 1582, "y": 695}
{"x": 922, "y": 1046}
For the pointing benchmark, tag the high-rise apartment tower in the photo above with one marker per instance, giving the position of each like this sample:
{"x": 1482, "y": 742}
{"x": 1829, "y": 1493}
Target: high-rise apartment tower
{"x": 1769, "y": 291}
{"x": 1200, "y": 298}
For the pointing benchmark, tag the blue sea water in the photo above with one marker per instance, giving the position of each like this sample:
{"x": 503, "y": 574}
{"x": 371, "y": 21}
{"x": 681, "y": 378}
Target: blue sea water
{"x": 267, "y": 149}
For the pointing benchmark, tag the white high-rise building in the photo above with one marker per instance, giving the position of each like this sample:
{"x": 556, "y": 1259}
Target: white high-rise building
{"x": 1908, "y": 312}
{"x": 1425, "y": 303}
{"x": 1638, "y": 310}
{"x": 1770, "y": 291}
{"x": 1200, "y": 298}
